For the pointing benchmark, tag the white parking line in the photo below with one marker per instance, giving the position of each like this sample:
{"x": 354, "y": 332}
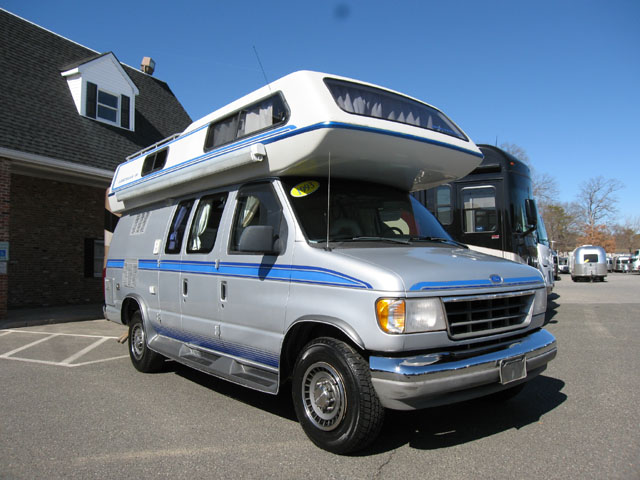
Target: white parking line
{"x": 77, "y": 355}
{"x": 67, "y": 362}
{"x": 28, "y": 345}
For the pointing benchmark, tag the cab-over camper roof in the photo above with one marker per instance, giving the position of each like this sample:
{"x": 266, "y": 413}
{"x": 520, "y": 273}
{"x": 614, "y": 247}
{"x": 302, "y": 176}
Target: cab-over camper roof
{"x": 302, "y": 124}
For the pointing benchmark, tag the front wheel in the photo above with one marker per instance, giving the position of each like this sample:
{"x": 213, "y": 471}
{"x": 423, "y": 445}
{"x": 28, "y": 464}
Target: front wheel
{"x": 333, "y": 397}
{"x": 143, "y": 358}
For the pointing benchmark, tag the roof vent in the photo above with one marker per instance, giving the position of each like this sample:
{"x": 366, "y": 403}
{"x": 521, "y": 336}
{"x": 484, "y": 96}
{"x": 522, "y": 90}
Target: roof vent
{"x": 148, "y": 65}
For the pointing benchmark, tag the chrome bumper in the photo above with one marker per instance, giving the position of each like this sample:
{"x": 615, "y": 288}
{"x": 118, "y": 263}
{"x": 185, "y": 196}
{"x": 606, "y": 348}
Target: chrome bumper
{"x": 429, "y": 380}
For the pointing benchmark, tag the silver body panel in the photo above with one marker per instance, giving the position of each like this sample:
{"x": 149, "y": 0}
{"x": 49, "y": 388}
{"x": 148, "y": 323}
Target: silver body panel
{"x": 230, "y": 314}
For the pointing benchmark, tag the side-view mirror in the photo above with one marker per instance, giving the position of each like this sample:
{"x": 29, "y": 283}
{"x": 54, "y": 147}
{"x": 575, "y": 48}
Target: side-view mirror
{"x": 257, "y": 239}
{"x": 531, "y": 212}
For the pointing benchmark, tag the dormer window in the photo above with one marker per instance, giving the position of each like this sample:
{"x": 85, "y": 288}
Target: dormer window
{"x": 102, "y": 90}
{"x": 107, "y": 106}
{"x": 103, "y": 105}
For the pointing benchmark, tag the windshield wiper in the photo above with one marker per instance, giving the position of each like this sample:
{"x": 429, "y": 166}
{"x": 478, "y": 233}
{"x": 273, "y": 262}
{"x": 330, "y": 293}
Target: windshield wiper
{"x": 372, "y": 239}
{"x": 439, "y": 240}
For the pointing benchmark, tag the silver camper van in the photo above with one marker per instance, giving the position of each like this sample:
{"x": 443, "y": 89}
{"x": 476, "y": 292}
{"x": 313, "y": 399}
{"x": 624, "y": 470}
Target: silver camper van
{"x": 275, "y": 243}
{"x": 588, "y": 262}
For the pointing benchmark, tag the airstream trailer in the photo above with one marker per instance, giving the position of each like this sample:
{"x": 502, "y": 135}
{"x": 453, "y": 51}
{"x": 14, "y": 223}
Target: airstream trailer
{"x": 588, "y": 262}
{"x": 622, "y": 263}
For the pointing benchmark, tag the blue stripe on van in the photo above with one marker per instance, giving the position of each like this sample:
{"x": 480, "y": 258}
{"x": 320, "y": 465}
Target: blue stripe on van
{"x": 286, "y": 273}
{"x": 221, "y": 346}
{"x": 479, "y": 283}
{"x": 282, "y": 133}
{"x": 379, "y": 131}
{"x": 265, "y": 138}
{"x": 115, "y": 263}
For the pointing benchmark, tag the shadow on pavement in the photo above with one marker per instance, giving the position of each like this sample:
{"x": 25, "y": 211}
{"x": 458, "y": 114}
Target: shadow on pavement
{"x": 428, "y": 429}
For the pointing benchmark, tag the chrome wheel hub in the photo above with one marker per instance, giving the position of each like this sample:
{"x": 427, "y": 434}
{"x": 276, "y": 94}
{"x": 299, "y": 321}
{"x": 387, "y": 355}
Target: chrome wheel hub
{"x": 323, "y": 396}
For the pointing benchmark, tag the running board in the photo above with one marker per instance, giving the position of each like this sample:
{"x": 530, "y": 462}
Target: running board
{"x": 219, "y": 365}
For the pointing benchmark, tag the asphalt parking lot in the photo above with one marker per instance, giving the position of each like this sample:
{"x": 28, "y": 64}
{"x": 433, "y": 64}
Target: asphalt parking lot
{"x": 74, "y": 407}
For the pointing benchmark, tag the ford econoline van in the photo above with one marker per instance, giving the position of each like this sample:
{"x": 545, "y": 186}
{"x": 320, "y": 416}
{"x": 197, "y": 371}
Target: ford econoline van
{"x": 275, "y": 243}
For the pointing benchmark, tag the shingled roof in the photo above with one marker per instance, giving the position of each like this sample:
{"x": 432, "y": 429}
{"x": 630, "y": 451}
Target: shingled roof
{"x": 38, "y": 112}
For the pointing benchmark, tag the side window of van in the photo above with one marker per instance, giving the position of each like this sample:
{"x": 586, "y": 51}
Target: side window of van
{"x": 258, "y": 206}
{"x": 178, "y": 226}
{"x": 206, "y": 222}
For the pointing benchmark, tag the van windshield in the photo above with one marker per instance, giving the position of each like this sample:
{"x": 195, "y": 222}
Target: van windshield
{"x": 361, "y": 212}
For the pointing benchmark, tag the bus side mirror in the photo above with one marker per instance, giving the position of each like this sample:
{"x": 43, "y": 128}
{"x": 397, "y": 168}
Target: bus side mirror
{"x": 532, "y": 212}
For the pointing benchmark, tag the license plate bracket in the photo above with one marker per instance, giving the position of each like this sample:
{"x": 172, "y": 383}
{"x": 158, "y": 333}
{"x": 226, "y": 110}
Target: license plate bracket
{"x": 513, "y": 369}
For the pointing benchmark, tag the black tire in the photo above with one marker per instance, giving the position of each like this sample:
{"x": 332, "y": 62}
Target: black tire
{"x": 333, "y": 397}
{"x": 143, "y": 359}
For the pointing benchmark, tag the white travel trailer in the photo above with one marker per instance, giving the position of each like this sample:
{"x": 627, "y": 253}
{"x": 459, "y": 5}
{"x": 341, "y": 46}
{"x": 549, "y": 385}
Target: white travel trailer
{"x": 275, "y": 243}
{"x": 622, "y": 263}
{"x": 588, "y": 262}
{"x": 635, "y": 261}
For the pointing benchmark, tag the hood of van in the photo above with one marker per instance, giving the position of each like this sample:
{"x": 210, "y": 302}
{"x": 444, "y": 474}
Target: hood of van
{"x": 442, "y": 268}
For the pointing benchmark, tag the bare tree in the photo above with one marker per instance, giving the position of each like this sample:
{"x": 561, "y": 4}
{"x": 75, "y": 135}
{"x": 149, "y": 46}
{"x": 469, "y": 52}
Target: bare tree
{"x": 597, "y": 200}
{"x": 517, "y": 151}
{"x": 560, "y": 221}
{"x": 627, "y": 235}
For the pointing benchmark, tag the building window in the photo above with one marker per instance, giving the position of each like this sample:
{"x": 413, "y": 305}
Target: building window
{"x": 107, "y": 107}
{"x": 93, "y": 257}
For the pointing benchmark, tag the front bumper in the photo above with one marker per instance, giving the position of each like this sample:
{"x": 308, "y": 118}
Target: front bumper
{"x": 429, "y": 380}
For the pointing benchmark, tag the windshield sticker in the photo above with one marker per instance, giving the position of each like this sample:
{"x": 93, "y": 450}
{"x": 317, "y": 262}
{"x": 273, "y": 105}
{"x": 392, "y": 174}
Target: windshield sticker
{"x": 305, "y": 188}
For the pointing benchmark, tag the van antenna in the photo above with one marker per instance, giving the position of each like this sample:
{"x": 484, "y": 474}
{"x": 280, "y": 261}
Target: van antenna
{"x": 261, "y": 67}
{"x": 328, "y": 201}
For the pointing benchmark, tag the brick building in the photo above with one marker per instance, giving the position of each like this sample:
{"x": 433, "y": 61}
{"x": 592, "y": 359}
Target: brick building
{"x": 69, "y": 116}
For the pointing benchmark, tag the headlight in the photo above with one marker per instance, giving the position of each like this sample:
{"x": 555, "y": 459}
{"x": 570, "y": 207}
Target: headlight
{"x": 540, "y": 301}
{"x": 410, "y": 315}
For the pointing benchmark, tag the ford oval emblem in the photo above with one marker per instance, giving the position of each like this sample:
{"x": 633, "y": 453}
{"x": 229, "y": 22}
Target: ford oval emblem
{"x": 495, "y": 278}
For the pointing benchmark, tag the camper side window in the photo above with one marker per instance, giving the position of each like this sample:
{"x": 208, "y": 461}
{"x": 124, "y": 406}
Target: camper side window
{"x": 206, "y": 222}
{"x": 257, "y": 206}
{"x": 263, "y": 115}
{"x": 154, "y": 162}
{"x": 178, "y": 226}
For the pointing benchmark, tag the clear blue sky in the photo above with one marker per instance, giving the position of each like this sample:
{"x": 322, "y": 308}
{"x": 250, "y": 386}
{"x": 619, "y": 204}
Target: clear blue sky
{"x": 561, "y": 79}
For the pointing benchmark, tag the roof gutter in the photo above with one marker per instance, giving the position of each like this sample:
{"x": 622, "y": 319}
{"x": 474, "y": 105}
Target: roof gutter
{"x": 34, "y": 165}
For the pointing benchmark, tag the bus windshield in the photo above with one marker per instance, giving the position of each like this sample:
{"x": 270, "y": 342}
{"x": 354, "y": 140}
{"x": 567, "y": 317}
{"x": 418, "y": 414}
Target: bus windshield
{"x": 360, "y": 211}
{"x": 519, "y": 192}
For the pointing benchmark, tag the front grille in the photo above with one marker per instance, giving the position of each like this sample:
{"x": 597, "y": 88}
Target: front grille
{"x": 481, "y": 315}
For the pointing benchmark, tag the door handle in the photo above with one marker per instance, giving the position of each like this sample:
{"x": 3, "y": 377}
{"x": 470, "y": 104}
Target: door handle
{"x": 185, "y": 287}
{"x": 223, "y": 291}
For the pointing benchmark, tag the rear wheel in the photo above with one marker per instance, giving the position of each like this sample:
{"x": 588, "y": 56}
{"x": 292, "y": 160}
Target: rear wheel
{"x": 334, "y": 398}
{"x": 144, "y": 359}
